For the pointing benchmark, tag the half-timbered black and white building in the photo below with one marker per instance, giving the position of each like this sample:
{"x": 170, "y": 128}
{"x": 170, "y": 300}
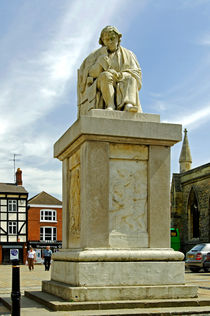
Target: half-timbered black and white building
{"x": 13, "y": 219}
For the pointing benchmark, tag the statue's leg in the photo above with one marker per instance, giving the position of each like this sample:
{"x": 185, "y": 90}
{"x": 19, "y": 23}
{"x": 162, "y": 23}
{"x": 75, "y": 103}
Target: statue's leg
{"x": 128, "y": 88}
{"x": 106, "y": 84}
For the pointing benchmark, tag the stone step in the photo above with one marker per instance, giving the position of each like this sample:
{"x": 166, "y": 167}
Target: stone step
{"x": 6, "y": 301}
{"x": 30, "y": 307}
{"x": 118, "y": 293}
{"x": 57, "y": 304}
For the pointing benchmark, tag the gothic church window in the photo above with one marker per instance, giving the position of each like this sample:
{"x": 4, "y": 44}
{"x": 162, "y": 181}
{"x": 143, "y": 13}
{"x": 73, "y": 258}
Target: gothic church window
{"x": 193, "y": 216}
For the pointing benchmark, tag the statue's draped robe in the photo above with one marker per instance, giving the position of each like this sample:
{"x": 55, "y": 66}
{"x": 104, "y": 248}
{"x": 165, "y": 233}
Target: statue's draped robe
{"x": 124, "y": 60}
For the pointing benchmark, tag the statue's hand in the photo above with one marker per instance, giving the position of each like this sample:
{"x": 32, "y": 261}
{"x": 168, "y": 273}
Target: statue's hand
{"x": 114, "y": 73}
{"x": 123, "y": 75}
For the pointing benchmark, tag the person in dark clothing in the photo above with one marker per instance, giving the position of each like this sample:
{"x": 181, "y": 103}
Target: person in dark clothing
{"x": 47, "y": 254}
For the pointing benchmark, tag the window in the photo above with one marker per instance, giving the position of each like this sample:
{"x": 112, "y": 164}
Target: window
{"x": 12, "y": 205}
{"x": 12, "y": 228}
{"x": 48, "y": 233}
{"x": 193, "y": 216}
{"x": 198, "y": 247}
{"x": 48, "y": 215}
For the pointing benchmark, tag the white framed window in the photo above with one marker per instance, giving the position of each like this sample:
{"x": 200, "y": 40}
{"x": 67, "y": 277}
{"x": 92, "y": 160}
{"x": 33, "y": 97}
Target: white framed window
{"x": 12, "y": 205}
{"x": 48, "y": 215}
{"x": 48, "y": 233}
{"x": 12, "y": 228}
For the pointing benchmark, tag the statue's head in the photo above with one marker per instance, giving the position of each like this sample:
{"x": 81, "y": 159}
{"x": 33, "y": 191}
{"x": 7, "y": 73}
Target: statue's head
{"x": 110, "y": 37}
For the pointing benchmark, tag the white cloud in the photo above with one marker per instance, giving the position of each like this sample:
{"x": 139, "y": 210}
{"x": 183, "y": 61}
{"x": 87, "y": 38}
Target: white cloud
{"x": 47, "y": 93}
{"x": 36, "y": 80}
{"x": 38, "y": 180}
{"x": 195, "y": 119}
{"x": 34, "y": 84}
{"x": 40, "y": 147}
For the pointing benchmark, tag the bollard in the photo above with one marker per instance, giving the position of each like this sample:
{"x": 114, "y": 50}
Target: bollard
{"x": 15, "y": 295}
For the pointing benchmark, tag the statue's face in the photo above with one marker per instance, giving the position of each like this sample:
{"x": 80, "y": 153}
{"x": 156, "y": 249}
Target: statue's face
{"x": 111, "y": 40}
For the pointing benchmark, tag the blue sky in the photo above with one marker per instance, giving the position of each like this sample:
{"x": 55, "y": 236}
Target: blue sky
{"x": 42, "y": 44}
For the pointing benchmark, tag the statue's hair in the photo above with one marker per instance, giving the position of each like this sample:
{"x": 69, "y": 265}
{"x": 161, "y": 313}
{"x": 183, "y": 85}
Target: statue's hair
{"x": 107, "y": 29}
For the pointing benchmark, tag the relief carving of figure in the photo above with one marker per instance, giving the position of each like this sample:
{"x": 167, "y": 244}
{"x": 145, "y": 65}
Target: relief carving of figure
{"x": 110, "y": 77}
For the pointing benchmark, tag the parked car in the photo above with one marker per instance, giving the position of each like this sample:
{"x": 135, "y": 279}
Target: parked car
{"x": 196, "y": 257}
{"x": 206, "y": 263}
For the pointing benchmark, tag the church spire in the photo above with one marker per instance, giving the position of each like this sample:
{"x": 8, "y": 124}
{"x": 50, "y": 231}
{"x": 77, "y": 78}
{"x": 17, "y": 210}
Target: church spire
{"x": 185, "y": 158}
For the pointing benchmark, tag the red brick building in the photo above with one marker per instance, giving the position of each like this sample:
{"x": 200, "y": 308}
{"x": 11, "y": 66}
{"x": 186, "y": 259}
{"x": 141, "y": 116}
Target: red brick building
{"x": 44, "y": 222}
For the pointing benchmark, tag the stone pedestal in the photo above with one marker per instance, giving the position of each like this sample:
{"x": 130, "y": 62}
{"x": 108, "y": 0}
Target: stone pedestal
{"x": 116, "y": 220}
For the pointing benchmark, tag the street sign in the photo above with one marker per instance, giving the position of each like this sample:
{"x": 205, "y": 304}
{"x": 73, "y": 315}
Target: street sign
{"x": 14, "y": 254}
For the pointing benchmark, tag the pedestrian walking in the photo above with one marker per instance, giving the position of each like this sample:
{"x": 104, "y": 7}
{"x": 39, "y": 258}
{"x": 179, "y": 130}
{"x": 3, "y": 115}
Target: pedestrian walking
{"x": 47, "y": 254}
{"x": 31, "y": 258}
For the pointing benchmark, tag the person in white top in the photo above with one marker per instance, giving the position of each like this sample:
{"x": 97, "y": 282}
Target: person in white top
{"x": 31, "y": 258}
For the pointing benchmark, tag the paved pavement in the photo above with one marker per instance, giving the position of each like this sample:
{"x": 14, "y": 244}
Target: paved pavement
{"x": 202, "y": 280}
{"x": 31, "y": 281}
{"x": 28, "y": 279}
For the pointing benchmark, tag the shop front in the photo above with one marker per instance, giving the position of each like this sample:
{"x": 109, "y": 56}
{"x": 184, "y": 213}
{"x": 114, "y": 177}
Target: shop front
{"x": 13, "y": 251}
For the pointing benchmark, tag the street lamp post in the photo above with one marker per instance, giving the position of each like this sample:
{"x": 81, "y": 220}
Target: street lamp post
{"x": 15, "y": 295}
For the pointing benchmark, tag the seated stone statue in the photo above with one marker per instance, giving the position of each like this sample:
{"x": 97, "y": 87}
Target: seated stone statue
{"x": 110, "y": 77}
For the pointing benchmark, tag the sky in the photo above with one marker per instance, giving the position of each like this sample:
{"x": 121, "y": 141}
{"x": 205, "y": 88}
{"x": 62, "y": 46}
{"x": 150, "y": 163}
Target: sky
{"x": 43, "y": 43}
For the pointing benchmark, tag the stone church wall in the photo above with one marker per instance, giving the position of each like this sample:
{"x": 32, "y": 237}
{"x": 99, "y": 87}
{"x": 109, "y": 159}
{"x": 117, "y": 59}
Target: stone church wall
{"x": 196, "y": 181}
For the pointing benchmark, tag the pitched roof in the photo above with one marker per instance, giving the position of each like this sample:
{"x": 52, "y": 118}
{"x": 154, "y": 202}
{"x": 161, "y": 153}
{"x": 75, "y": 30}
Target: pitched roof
{"x": 44, "y": 198}
{"x": 11, "y": 188}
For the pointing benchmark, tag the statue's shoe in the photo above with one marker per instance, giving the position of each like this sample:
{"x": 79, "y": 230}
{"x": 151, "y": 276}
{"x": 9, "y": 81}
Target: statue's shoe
{"x": 109, "y": 108}
{"x": 131, "y": 108}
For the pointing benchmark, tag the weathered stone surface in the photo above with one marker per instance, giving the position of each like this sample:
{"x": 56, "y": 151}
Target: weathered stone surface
{"x": 118, "y": 206}
{"x": 65, "y": 192}
{"x": 110, "y": 77}
{"x": 124, "y": 255}
{"x": 118, "y": 273}
{"x": 195, "y": 181}
{"x": 128, "y": 196}
{"x": 144, "y": 117}
{"x": 117, "y": 294}
{"x": 116, "y": 130}
{"x": 74, "y": 199}
{"x": 158, "y": 196}
{"x": 94, "y": 194}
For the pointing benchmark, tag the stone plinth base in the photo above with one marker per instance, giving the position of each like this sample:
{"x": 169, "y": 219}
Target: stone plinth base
{"x": 116, "y": 198}
{"x": 118, "y": 267}
{"x": 117, "y": 293}
{"x": 116, "y": 178}
{"x": 118, "y": 273}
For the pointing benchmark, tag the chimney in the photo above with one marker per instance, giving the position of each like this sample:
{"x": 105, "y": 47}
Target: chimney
{"x": 19, "y": 177}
